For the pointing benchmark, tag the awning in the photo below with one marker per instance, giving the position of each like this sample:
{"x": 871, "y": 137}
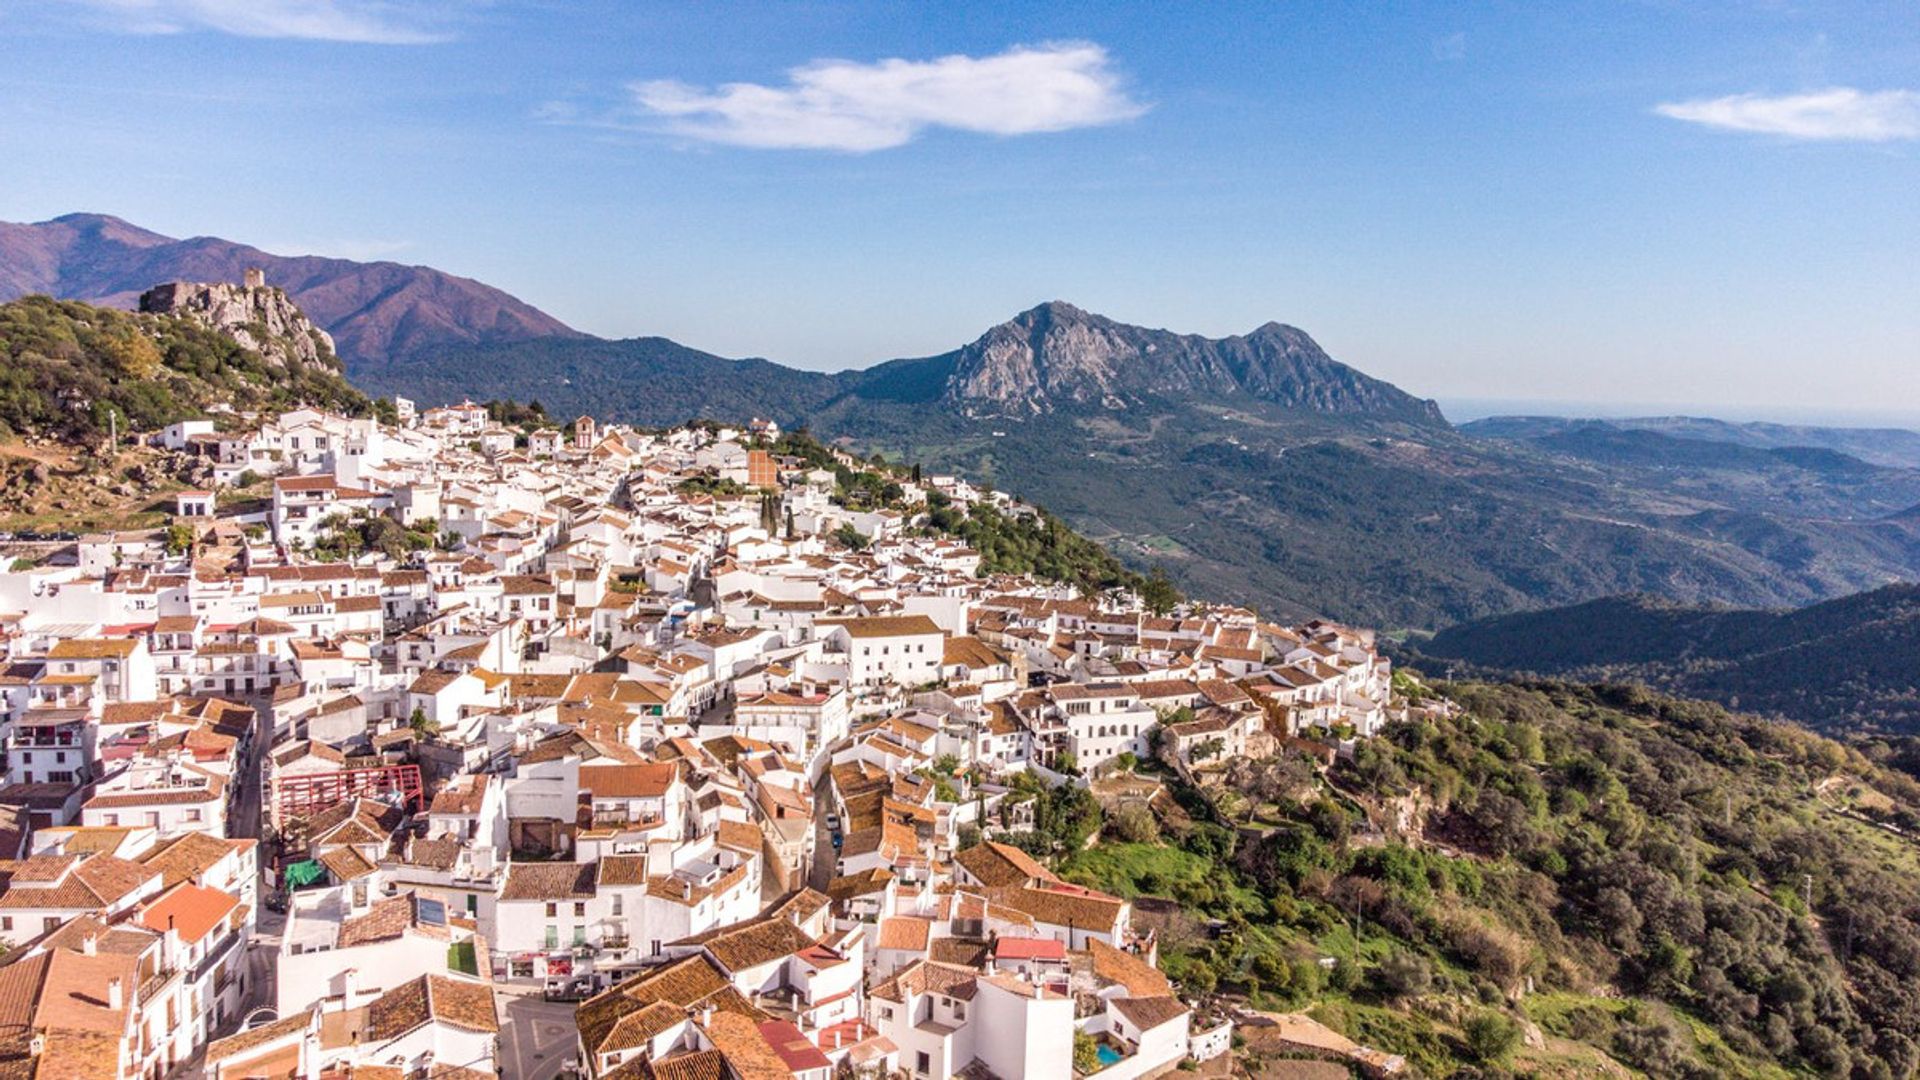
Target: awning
{"x": 306, "y": 873}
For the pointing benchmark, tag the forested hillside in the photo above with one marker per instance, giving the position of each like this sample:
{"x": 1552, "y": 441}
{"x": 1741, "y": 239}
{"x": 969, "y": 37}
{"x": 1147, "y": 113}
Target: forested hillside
{"x": 1851, "y": 664}
{"x": 1555, "y": 879}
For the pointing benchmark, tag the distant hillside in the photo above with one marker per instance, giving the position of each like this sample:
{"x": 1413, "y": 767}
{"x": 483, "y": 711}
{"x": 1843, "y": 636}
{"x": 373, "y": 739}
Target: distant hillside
{"x": 650, "y": 381}
{"x": 1058, "y": 356}
{"x": 1852, "y": 663}
{"x": 72, "y": 371}
{"x": 372, "y": 309}
{"x": 1892, "y": 447}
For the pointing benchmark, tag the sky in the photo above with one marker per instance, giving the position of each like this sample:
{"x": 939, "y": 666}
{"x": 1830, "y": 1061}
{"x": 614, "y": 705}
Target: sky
{"x": 1713, "y": 206}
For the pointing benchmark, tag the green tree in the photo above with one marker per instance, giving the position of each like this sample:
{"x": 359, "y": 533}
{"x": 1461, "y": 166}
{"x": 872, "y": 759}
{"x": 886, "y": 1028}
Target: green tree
{"x": 1086, "y": 1053}
{"x": 1157, "y": 592}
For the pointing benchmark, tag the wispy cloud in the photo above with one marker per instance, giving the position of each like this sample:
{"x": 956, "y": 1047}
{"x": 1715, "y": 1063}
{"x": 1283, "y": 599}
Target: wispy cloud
{"x": 377, "y": 22}
{"x": 1839, "y": 114}
{"x": 855, "y": 107}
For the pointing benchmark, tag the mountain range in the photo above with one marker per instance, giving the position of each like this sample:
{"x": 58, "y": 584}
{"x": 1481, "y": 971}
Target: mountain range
{"x": 372, "y": 309}
{"x": 1254, "y": 467}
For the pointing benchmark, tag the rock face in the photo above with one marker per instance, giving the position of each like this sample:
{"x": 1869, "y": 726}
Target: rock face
{"x": 258, "y": 316}
{"x": 1057, "y": 356}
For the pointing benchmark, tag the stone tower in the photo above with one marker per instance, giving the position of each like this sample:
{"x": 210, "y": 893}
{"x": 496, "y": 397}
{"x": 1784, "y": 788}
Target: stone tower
{"x": 254, "y": 278}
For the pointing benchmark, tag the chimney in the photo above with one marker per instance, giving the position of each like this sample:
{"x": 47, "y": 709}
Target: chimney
{"x": 114, "y": 1001}
{"x": 88, "y": 945}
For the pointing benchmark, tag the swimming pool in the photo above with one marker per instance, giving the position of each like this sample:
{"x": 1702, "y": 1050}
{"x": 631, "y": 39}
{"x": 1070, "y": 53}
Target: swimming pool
{"x": 1108, "y": 1055}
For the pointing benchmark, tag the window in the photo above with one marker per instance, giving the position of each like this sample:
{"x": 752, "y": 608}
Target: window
{"x": 552, "y": 909}
{"x": 923, "y": 1062}
{"x": 579, "y": 935}
{"x": 579, "y": 909}
{"x": 616, "y": 903}
{"x": 959, "y": 1010}
{"x": 6, "y": 922}
{"x": 553, "y": 936}
{"x": 51, "y": 923}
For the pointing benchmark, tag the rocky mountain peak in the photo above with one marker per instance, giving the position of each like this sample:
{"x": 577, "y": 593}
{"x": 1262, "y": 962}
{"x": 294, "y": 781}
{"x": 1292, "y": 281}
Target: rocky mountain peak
{"x": 1057, "y": 356}
{"x": 256, "y": 315}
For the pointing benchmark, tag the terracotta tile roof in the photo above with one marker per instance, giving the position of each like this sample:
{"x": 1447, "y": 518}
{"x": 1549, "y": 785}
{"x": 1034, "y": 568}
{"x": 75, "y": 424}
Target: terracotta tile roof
{"x": 748, "y": 1053}
{"x": 548, "y": 881}
{"x": 884, "y": 626}
{"x": 94, "y": 883}
{"x": 73, "y": 997}
{"x": 1140, "y": 978}
{"x": 752, "y": 943}
{"x": 684, "y": 984}
{"x": 697, "y": 1065}
{"x": 905, "y": 932}
{"x": 623, "y": 870}
{"x": 649, "y": 781}
{"x": 926, "y": 976}
{"x": 998, "y": 865}
{"x": 385, "y": 920}
{"x": 192, "y": 911}
{"x": 462, "y": 1004}
{"x": 1062, "y": 906}
{"x": 1147, "y": 1013}
{"x": 234, "y": 1045}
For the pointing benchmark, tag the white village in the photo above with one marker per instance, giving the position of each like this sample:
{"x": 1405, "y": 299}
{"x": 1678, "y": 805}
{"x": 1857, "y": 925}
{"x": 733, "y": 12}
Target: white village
{"x": 448, "y": 748}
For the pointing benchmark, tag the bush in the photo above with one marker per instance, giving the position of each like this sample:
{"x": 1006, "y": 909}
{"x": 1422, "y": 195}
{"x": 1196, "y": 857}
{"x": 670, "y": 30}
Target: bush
{"x": 1490, "y": 1036}
{"x": 1403, "y": 974}
{"x": 1135, "y": 824}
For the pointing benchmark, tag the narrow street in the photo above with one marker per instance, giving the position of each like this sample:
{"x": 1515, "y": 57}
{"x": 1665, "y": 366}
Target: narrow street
{"x": 537, "y": 1036}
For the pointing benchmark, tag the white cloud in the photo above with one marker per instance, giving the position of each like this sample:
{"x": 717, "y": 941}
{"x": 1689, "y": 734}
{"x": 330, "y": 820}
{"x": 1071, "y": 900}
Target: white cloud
{"x": 1839, "y": 113}
{"x": 377, "y": 22}
{"x": 843, "y": 105}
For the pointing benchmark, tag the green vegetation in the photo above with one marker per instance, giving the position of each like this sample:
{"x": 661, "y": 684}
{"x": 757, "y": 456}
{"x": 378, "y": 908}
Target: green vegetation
{"x": 461, "y": 958}
{"x": 1625, "y": 870}
{"x": 343, "y": 537}
{"x": 1032, "y": 542}
{"x": 73, "y": 371}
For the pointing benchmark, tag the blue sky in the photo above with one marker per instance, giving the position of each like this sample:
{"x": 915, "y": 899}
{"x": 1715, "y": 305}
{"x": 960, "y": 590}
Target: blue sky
{"x": 1665, "y": 203}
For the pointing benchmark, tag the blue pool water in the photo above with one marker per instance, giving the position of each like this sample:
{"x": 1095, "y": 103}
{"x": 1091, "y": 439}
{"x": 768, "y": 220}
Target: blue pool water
{"x": 1108, "y": 1055}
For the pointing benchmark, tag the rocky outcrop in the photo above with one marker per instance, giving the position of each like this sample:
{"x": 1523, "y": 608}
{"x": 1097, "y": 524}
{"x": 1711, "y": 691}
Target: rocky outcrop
{"x": 1056, "y": 356}
{"x": 257, "y": 316}
{"x": 376, "y": 311}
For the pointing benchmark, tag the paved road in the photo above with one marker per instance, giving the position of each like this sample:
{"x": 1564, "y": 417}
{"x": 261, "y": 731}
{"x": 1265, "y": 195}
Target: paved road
{"x": 537, "y": 1037}
{"x": 245, "y": 818}
{"x": 824, "y": 857}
